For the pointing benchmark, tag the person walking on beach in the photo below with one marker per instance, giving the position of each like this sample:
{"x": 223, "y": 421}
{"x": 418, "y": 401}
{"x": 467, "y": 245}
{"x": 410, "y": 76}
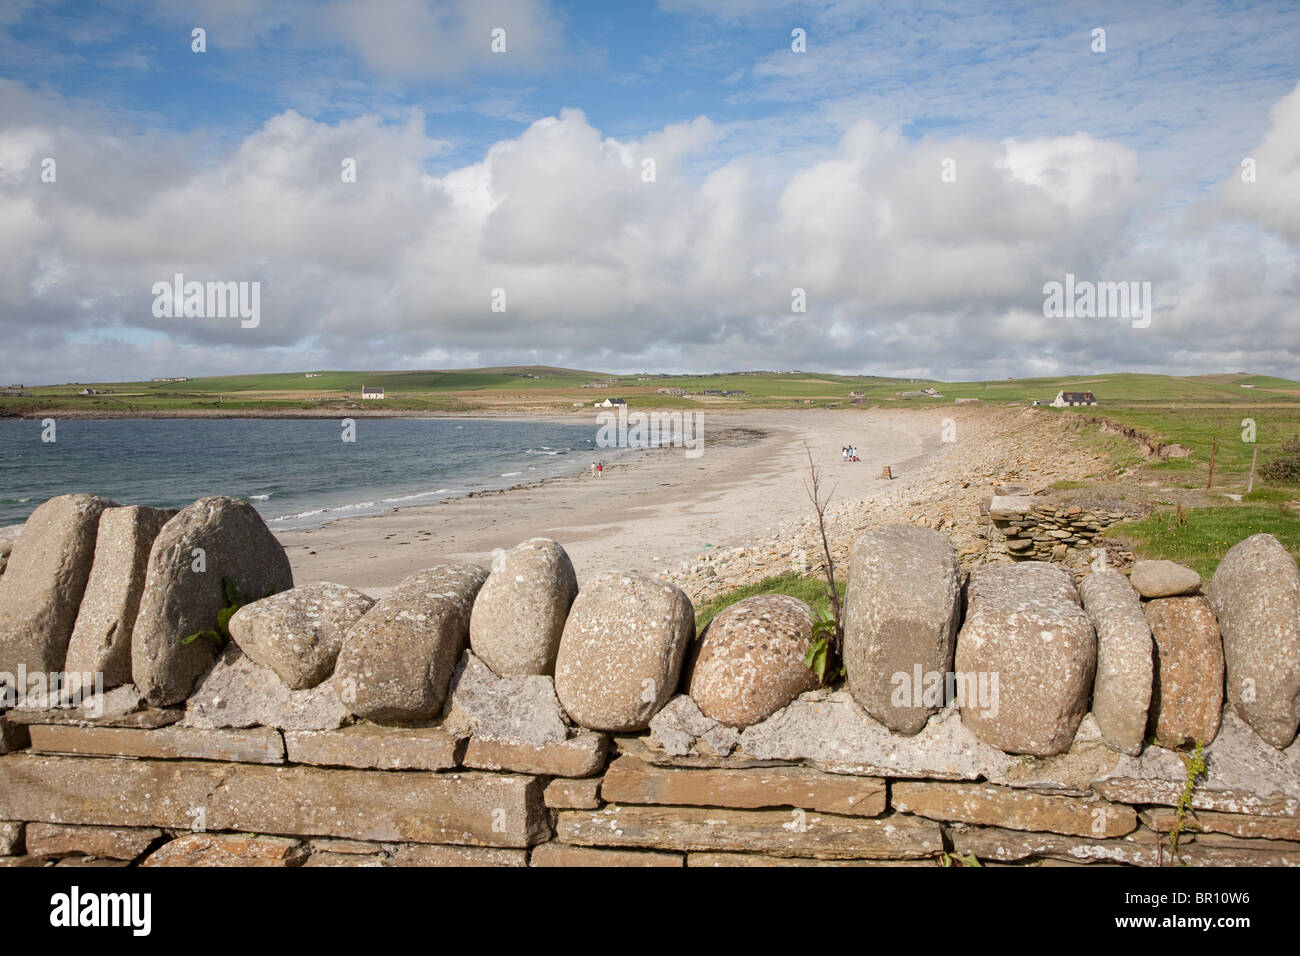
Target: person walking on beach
{"x": 844, "y": 453}
{"x": 600, "y": 468}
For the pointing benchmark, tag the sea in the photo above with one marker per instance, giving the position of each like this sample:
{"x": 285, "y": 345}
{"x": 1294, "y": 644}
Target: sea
{"x": 298, "y": 473}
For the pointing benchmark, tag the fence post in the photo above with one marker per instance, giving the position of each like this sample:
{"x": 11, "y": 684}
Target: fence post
{"x": 1250, "y": 486}
{"x": 1214, "y": 450}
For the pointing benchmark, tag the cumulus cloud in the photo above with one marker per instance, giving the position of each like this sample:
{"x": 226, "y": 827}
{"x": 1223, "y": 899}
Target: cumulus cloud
{"x": 1266, "y": 188}
{"x": 904, "y": 271}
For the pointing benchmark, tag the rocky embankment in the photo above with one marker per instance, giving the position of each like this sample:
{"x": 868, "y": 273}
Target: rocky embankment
{"x": 992, "y": 446}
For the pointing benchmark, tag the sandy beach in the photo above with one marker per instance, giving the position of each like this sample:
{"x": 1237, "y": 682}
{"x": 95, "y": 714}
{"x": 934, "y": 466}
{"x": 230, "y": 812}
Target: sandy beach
{"x": 650, "y": 511}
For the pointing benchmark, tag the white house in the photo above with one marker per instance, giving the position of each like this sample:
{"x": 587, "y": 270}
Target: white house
{"x": 1064, "y": 399}
{"x": 368, "y": 391}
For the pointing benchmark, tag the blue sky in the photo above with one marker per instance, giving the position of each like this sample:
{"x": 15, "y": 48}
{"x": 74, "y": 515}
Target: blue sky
{"x": 775, "y": 170}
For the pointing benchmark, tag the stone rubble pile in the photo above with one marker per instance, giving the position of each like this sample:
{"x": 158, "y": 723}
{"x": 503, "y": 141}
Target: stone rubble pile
{"x": 1033, "y": 719}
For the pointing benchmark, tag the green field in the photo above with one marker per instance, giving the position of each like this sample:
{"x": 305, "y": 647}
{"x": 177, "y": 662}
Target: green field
{"x": 1138, "y": 399}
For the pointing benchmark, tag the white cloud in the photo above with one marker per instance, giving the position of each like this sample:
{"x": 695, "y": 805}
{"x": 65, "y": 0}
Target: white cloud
{"x": 902, "y": 270}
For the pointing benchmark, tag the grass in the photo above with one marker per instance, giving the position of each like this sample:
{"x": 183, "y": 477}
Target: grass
{"x": 1204, "y": 536}
{"x": 805, "y": 587}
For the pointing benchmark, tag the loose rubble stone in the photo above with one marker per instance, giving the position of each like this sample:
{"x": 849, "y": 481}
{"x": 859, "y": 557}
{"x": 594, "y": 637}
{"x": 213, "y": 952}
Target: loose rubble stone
{"x": 1121, "y": 693}
{"x": 298, "y": 633}
{"x": 101, "y": 638}
{"x": 397, "y": 661}
{"x": 258, "y": 745}
{"x": 778, "y": 832}
{"x": 505, "y": 708}
{"x": 1256, "y": 595}
{"x": 621, "y": 654}
{"x": 473, "y": 808}
{"x": 1025, "y": 630}
{"x": 833, "y": 730}
{"x": 519, "y": 614}
{"x": 629, "y": 780}
{"x": 230, "y": 541}
{"x": 560, "y": 854}
{"x": 44, "y": 582}
{"x": 228, "y": 849}
{"x": 114, "y": 843}
{"x": 681, "y": 729}
{"x": 370, "y": 747}
{"x": 236, "y": 692}
{"x": 581, "y": 756}
{"x": 1012, "y": 808}
{"x": 750, "y": 661}
{"x": 901, "y": 611}
{"x": 1187, "y": 693}
{"x": 1157, "y": 579}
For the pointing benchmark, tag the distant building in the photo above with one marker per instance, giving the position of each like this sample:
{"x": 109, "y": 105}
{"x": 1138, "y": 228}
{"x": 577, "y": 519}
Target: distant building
{"x": 174, "y": 378}
{"x": 856, "y": 395}
{"x": 1067, "y": 399}
{"x": 679, "y": 392}
{"x": 369, "y": 391}
{"x": 313, "y": 375}
{"x": 610, "y": 403}
{"x": 16, "y": 388}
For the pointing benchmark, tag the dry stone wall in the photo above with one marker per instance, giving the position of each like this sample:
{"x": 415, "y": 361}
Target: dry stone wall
{"x": 1007, "y": 716}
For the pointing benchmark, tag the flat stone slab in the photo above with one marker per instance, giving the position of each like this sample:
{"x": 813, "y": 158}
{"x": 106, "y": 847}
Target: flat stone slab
{"x": 147, "y": 719}
{"x": 580, "y": 756}
{"x": 760, "y": 859}
{"x": 1141, "y": 848}
{"x": 455, "y": 856}
{"x": 1008, "y": 507}
{"x": 562, "y": 854}
{"x": 479, "y": 809}
{"x": 1013, "y": 809}
{"x": 562, "y": 794}
{"x": 1245, "y": 825}
{"x": 258, "y": 745}
{"x": 371, "y": 747}
{"x": 629, "y": 780}
{"x": 777, "y": 832}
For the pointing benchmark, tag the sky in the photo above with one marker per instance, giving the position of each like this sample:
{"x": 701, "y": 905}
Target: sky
{"x": 682, "y": 185}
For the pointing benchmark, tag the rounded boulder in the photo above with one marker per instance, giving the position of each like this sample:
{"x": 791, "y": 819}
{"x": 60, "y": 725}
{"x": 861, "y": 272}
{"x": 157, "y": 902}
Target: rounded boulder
{"x": 621, "y": 653}
{"x": 298, "y": 633}
{"x": 519, "y": 614}
{"x": 750, "y": 661}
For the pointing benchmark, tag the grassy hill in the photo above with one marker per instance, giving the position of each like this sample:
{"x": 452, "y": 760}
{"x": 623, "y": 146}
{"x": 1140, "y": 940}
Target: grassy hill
{"x": 544, "y": 387}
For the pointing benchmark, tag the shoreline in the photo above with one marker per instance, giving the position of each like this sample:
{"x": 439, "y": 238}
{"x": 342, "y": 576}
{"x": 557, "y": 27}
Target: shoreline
{"x": 652, "y": 510}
